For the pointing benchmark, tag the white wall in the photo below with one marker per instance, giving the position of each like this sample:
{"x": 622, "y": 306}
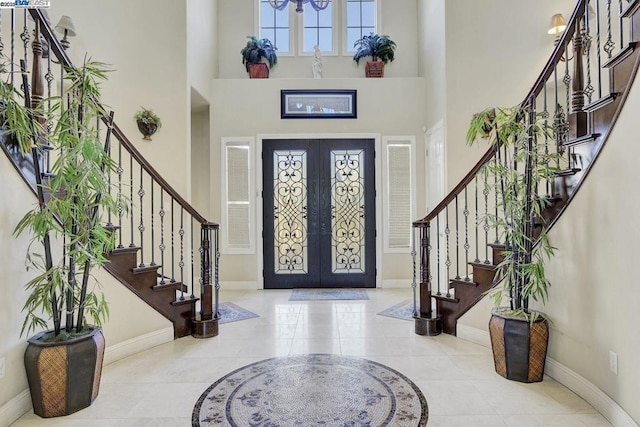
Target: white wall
{"x": 594, "y": 293}
{"x": 432, "y": 48}
{"x": 495, "y": 50}
{"x": 145, "y": 41}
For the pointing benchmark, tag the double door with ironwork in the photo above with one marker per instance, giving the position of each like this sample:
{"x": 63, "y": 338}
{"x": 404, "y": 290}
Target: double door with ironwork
{"x": 319, "y": 213}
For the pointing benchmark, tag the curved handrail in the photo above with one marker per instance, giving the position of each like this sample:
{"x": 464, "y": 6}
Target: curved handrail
{"x": 54, "y": 44}
{"x": 538, "y": 86}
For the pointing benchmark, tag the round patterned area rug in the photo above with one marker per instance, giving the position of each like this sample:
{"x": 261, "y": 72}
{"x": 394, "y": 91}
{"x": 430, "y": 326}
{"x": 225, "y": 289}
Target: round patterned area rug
{"x": 312, "y": 390}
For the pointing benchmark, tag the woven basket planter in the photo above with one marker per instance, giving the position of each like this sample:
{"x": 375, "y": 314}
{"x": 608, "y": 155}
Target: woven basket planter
{"x": 374, "y": 69}
{"x": 64, "y": 377}
{"x": 258, "y": 71}
{"x": 519, "y": 347}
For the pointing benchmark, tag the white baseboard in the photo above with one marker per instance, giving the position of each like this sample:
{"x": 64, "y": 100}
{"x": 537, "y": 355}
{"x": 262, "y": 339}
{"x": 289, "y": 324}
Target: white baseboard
{"x": 589, "y": 392}
{"x": 135, "y": 345}
{"x": 568, "y": 378}
{"x": 396, "y": 284}
{"x": 239, "y": 286}
{"x": 15, "y": 408}
{"x": 475, "y": 335}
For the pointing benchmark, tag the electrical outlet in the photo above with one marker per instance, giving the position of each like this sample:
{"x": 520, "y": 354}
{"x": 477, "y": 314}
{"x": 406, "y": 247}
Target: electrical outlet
{"x": 2, "y": 363}
{"x": 613, "y": 362}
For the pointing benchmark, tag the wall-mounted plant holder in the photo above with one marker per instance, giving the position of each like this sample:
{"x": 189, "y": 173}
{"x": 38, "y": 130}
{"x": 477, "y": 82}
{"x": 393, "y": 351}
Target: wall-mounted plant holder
{"x": 148, "y": 123}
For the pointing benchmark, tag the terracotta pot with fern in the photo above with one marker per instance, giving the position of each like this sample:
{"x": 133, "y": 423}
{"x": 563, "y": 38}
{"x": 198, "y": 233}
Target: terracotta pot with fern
{"x": 380, "y": 48}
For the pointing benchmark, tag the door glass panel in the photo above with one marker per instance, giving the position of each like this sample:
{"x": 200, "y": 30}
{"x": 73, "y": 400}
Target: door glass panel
{"x": 347, "y": 211}
{"x": 290, "y": 211}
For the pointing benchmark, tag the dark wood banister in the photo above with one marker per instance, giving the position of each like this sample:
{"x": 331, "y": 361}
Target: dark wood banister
{"x": 55, "y": 45}
{"x": 558, "y": 53}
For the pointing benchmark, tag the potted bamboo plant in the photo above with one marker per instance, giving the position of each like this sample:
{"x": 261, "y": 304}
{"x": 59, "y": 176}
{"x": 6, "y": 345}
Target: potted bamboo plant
{"x": 519, "y": 335}
{"x": 64, "y": 360}
{"x": 254, "y": 55}
{"x": 380, "y": 48}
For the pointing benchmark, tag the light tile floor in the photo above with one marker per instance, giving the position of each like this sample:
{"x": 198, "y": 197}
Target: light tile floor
{"x": 159, "y": 387}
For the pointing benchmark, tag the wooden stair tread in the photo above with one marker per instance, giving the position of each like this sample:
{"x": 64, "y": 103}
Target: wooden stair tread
{"x": 585, "y": 139}
{"x": 464, "y": 282}
{"x": 126, "y": 250}
{"x": 599, "y": 103}
{"x": 185, "y": 301}
{"x": 483, "y": 266}
{"x": 145, "y": 269}
{"x": 443, "y": 297}
{"x": 620, "y": 56}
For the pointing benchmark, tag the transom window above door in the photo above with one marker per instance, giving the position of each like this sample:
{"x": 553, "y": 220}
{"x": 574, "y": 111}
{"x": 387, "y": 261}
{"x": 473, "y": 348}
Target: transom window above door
{"x": 334, "y": 29}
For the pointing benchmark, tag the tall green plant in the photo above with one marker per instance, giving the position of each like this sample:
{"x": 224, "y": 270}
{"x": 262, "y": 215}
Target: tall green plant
{"x": 521, "y": 167}
{"x": 78, "y": 195}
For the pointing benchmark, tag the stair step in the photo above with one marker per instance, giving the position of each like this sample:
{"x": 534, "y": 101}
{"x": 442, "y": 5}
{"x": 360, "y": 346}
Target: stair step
{"x": 145, "y": 269}
{"x": 126, "y": 250}
{"x": 185, "y": 301}
{"x": 581, "y": 140}
{"x": 620, "y": 56}
{"x": 443, "y": 297}
{"x": 463, "y": 282}
{"x": 483, "y": 266}
{"x": 631, "y": 9}
{"x": 177, "y": 286}
{"x": 600, "y": 103}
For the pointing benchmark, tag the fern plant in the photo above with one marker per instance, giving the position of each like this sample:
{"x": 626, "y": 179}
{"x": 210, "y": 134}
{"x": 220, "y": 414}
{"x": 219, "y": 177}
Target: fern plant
{"x": 377, "y": 46}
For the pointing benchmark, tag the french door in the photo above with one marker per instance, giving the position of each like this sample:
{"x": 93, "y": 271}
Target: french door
{"x": 319, "y": 213}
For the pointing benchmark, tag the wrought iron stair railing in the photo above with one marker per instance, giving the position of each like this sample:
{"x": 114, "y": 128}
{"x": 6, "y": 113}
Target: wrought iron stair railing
{"x": 167, "y": 253}
{"x": 579, "y": 94}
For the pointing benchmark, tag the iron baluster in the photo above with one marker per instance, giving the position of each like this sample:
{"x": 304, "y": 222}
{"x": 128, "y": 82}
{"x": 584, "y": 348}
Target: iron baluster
{"x": 162, "y": 247}
{"x": 621, "y": 19}
{"x": 120, "y": 171}
{"x": 586, "y": 40}
{"x": 13, "y": 45}
{"x": 447, "y": 263}
{"x": 153, "y": 226}
{"x": 609, "y": 45}
{"x": 465, "y": 212}
{"x": 181, "y": 263}
{"x": 24, "y": 36}
{"x": 598, "y": 49}
{"x": 477, "y": 221}
{"x": 131, "y": 245}
{"x": 217, "y": 273}
{"x": 545, "y": 115}
{"x": 173, "y": 244}
{"x": 192, "y": 262}
{"x": 457, "y": 242}
{"x": 485, "y": 193}
{"x": 141, "y": 227}
{"x": 438, "y": 251}
{"x": 414, "y": 283}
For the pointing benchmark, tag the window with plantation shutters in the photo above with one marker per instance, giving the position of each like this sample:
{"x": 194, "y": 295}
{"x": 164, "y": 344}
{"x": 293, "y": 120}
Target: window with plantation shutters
{"x": 238, "y": 207}
{"x": 399, "y": 195}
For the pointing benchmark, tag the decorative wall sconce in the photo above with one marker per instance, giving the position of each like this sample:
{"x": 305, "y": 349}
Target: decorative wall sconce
{"x": 148, "y": 122}
{"x": 66, "y": 27}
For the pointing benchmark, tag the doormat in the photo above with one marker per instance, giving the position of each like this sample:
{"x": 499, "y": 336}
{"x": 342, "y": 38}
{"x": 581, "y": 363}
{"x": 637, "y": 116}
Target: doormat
{"x": 327, "y": 294}
{"x": 312, "y": 390}
{"x": 230, "y": 312}
{"x": 403, "y": 310}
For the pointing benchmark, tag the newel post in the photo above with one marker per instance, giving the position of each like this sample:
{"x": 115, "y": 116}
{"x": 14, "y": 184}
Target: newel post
{"x": 205, "y": 323}
{"x": 426, "y": 321}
